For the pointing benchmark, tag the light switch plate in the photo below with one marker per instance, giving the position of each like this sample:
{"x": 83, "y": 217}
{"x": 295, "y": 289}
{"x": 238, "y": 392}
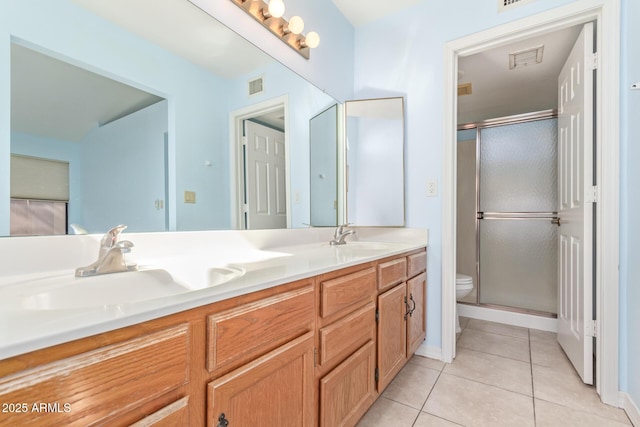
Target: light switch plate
{"x": 189, "y": 196}
{"x": 432, "y": 188}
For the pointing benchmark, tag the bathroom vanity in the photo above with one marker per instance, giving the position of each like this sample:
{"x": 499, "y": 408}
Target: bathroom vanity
{"x": 309, "y": 345}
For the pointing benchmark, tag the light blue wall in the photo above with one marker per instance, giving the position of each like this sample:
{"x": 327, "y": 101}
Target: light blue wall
{"x": 630, "y": 203}
{"x": 56, "y": 149}
{"x": 305, "y": 101}
{"x": 63, "y": 29}
{"x": 331, "y": 64}
{"x": 411, "y": 43}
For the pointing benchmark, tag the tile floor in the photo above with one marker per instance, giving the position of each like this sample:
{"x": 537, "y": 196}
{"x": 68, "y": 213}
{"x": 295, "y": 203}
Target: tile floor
{"x": 502, "y": 376}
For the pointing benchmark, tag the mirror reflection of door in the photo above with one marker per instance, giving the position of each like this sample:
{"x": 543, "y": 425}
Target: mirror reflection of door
{"x": 323, "y": 153}
{"x": 265, "y": 177}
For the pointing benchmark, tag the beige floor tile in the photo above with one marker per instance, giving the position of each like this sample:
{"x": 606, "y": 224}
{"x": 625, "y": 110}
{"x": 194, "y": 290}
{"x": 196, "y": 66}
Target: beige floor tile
{"x": 385, "y": 412}
{"x": 490, "y": 369}
{"x": 428, "y": 420}
{"x": 471, "y": 404}
{"x": 500, "y": 345}
{"x": 542, "y": 336}
{"x": 551, "y": 415}
{"x": 551, "y": 355}
{"x": 427, "y": 362}
{"x": 569, "y": 390}
{"x": 498, "y": 328}
{"x": 412, "y": 385}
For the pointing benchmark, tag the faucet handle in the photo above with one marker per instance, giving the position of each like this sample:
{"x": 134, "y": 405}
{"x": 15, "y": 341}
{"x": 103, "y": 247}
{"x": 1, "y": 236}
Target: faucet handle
{"x": 111, "y": 237}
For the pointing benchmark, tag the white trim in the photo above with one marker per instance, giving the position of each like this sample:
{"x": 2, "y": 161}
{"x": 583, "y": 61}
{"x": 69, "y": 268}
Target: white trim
{"x": 235, "y": 159}
{"x": 429, "y": 351}
{"x": 630, "y": 407}
{"x": 509, "y": 317}
{"x": 607, "y": 15}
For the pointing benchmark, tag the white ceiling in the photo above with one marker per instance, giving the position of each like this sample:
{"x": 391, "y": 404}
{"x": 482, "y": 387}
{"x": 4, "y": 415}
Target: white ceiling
{"x": 360, "y": 12}
{"x": 498, "y": 91}
{"x": 58, "y": 100}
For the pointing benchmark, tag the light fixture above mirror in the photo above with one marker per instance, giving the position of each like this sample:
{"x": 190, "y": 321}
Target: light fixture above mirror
{"x": 270, "y": 15}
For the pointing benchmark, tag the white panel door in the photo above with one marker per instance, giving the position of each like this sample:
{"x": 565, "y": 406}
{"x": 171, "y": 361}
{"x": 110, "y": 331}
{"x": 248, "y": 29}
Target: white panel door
{"x": 575, "y": 184}
{"x": 265, "y": 204}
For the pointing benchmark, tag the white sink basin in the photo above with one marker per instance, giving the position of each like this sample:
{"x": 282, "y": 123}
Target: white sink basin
{"x": 60, "y": 293}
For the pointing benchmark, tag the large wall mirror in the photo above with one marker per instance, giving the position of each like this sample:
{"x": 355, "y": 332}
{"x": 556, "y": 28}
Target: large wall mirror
{"x": 147, "y": 118}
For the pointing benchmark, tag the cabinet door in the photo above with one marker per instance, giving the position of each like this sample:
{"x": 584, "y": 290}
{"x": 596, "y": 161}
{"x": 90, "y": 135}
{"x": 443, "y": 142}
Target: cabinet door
{"x": 348, "y": 390}
{"x": 275, "y": 390}
{"x": 416, "y": 322}
{"x": 392, "y": 334}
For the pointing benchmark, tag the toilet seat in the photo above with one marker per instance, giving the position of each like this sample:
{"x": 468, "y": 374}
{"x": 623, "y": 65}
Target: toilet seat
{"x": 463, "y": 279}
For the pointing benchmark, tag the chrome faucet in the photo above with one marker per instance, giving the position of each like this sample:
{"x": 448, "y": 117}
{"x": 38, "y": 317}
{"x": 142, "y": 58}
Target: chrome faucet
{"x": 340, "y": 235}
{"x": 110, "y": 256}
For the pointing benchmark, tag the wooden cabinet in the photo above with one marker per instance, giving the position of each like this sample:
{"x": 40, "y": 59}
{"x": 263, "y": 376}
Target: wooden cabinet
{"x": 274, "y": 390}
{"x": 349, "y": 389}
{"x": 401, "y": 313}
{"x": 102, "y": 386}
{"x": 304, "y": 353}
{"x": 346, "y": 345}
{"x": 416, "y": 322}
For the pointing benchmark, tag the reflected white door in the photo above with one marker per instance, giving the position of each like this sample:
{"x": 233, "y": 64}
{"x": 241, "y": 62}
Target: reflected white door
{"x": 575, "y": 166}
{"x": 265, "y": 187}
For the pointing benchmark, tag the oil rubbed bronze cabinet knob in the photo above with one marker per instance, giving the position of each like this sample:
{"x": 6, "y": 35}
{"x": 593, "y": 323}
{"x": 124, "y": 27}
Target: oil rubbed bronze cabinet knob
{"x": 222, "y": 421}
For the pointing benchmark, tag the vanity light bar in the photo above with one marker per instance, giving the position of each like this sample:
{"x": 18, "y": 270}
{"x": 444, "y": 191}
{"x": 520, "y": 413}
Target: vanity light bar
{"x": 258, "y": 9}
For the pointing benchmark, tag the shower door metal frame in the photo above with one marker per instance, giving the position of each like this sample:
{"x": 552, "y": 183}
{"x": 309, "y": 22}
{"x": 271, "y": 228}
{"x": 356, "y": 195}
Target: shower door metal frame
{"x": 548, "y": 216}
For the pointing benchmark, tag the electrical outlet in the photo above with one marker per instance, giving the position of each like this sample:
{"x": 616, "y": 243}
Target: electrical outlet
{"x": 432, "y": 188}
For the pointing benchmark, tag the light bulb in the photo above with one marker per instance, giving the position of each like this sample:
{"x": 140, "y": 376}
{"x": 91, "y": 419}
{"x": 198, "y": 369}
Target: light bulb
{"x": 312, "y": 40}
{"x": 296, "y": 25}
{"x": 276, "y": 8}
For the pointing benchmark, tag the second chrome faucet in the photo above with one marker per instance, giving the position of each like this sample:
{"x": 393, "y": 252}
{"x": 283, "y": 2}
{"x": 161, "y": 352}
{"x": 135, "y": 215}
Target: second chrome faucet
{"x": 340, "y": 234}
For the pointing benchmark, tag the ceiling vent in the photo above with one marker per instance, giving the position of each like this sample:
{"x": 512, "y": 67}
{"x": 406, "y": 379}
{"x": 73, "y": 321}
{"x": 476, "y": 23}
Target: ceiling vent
{"x": 526, "y": 57}
{"x": 505, "y": 5}
{"x": 464, "y": 89}
{"x": 256, "y": 86}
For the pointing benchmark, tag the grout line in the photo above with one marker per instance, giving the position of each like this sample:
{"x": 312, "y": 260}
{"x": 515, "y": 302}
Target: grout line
{"x": 533, "y": 396}
{"x": 432, "y": 388}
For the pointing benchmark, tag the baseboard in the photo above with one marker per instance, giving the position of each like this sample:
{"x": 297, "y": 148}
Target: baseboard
{"x": 430, "y": 352}
{"x": 508, "y": 317}
{"x": 630, "y": 408}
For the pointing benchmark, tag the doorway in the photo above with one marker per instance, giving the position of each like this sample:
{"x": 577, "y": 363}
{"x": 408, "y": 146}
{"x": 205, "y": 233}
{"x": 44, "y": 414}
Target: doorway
{"x": 606, "y": 15}
{"x": 260, "y": 185}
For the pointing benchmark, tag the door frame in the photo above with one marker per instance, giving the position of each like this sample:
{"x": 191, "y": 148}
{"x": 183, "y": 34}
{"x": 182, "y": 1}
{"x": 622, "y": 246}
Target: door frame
{"x": 606, "y": 13}
{"x": 236, "y": 118}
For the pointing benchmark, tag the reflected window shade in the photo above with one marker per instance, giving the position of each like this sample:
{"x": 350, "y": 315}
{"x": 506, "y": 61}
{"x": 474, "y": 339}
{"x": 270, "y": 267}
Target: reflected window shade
{"x": 37, "y": 178}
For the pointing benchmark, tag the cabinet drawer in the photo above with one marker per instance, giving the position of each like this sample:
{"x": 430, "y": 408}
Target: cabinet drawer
{"x": 416, "y": 263}
{"x": 343, "y": 337}
{"x": 175, "y": 414}
{"x": 347, "y": 391}
{"x": 343, "y": 293}
{"x": 241, "y": 334}
{"x": 391, "y": 273}
{"x": 98, "y": 386}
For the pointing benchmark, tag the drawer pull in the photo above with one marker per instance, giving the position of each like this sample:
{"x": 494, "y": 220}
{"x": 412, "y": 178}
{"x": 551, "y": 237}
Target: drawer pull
{"x": 414, "y": 305}
{"x": 222, "y": 421}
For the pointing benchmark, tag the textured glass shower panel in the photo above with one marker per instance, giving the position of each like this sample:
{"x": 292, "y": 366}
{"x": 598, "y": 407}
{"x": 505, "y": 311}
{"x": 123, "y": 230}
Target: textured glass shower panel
{"x": 518, "y": 167}
{"x": 519, "y": 264}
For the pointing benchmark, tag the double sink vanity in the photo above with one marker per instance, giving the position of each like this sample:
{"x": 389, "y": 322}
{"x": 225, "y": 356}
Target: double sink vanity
{"x": 219, "y": 328}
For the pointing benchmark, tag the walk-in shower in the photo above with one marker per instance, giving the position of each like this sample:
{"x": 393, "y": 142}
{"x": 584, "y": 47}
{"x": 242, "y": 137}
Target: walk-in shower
{"x": 507, "y": 212}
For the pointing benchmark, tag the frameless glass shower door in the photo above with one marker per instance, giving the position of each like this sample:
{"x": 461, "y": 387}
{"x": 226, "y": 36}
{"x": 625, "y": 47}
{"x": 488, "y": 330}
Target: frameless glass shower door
{"x": 516, "y": 226}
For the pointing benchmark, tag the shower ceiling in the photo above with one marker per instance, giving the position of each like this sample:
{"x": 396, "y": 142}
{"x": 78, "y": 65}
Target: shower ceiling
{"x": 499, "y": 91}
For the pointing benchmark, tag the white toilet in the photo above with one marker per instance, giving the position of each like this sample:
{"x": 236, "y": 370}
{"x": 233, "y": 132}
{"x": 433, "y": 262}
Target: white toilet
{"x": 464, "y": 285}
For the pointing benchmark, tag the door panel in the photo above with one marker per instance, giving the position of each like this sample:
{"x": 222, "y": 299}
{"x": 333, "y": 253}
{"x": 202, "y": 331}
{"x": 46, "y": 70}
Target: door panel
{"x": 392, "y": 334}
{"x": 266, "y": 177}
{"x": 575, "y": 292}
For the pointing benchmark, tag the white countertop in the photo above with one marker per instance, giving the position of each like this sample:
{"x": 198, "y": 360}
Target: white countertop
{"x": 252, "y": 261}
